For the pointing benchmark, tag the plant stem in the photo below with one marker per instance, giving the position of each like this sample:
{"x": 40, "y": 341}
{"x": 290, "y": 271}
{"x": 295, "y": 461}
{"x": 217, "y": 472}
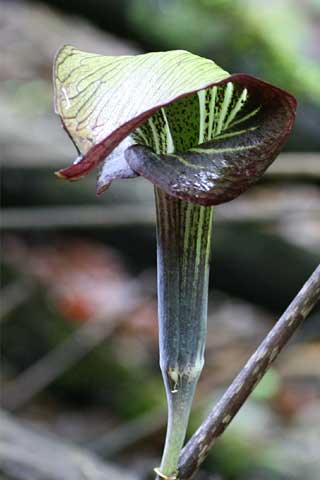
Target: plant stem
{"x": 197, "y": 449}
{"x": 183, "y": 253}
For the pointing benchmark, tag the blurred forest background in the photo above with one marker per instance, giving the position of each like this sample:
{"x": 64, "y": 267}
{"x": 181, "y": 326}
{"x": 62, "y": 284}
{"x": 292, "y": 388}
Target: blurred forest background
{"x": 79, "y": 318}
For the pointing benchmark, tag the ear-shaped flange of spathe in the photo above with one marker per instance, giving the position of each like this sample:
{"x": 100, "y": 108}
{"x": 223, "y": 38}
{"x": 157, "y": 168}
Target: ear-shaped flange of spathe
{"x": 242, "y": 148}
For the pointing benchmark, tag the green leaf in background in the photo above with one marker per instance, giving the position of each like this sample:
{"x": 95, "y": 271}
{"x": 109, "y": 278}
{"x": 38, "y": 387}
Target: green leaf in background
{"x": 278, "y": 39}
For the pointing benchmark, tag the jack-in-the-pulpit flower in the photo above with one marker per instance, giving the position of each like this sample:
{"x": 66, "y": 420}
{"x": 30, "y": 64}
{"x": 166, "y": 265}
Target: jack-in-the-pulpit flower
{"x": 202, "y": 137}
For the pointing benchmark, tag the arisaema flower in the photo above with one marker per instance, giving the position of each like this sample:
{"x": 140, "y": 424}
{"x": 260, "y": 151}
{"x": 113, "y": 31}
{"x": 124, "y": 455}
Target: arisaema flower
{"x": 202, "y": 137}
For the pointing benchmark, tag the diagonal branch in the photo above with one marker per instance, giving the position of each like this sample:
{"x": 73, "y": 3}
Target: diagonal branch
{"x": 196, "y": 450}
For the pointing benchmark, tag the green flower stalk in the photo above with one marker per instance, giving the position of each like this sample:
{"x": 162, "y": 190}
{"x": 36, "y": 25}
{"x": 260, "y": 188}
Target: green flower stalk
{"x": 184, "y": 245}
{"x": 202, "y": 137}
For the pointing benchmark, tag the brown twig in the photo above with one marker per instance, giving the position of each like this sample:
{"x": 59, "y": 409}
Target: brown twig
{"x": 50, "y": 367}
{"x": 196, "y": 450}
{"x": 13, "y": 296}
{"x": 38, "y": 376}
